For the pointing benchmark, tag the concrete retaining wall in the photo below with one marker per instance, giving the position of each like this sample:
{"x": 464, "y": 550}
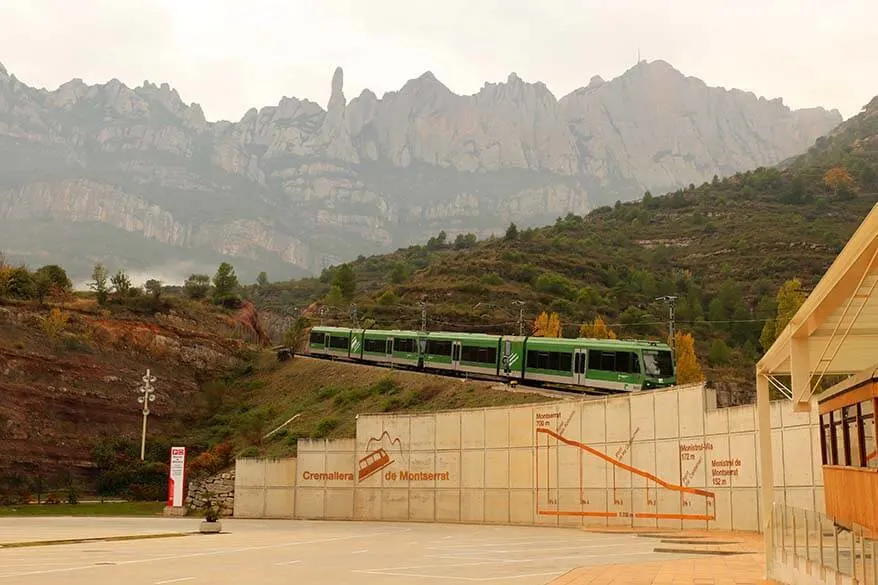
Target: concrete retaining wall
{"x": 265, "y": 488}
{"x": 664, "y": 459}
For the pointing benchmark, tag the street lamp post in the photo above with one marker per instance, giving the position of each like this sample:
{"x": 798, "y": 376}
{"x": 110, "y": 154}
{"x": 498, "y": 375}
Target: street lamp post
{"x": 148, "y": 395}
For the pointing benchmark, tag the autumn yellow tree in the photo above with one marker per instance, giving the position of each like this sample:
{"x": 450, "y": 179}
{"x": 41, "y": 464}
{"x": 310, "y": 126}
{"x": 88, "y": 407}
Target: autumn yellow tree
{"x": 790, "y": 297}
{"x": 597, "y": 329}
{"x": 688, "y": 370}
{"x": 838, "y": 178}
{"x": 547, "y": 325}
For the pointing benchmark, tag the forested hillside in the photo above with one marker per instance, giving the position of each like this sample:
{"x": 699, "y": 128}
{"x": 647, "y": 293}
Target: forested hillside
{"x": 724, "y": 248}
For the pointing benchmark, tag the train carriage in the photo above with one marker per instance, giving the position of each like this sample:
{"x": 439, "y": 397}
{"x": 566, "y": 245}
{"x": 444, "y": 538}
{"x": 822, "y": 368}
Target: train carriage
{"x": 473, "y": 353}
{"x": 404, "y": 347}
{"x": 605, "y": 364}
{"x": 331, "y": 341}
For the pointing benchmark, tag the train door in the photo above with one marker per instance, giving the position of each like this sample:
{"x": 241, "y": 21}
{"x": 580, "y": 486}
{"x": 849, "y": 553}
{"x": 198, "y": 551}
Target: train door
{"x": 326, "y": 346}
{"x": 580, "y": 357}
{"x": 507, "y": 356}
{"x": 388, "y": 350}
{"x": 455, "y": 355}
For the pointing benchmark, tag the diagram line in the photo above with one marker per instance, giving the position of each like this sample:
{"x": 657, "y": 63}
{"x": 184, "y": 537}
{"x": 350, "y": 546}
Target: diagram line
{"x": 634, "y": 470}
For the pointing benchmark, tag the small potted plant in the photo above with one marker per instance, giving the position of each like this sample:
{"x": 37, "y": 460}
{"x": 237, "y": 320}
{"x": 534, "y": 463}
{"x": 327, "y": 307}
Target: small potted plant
{"x": 211, "y": 523}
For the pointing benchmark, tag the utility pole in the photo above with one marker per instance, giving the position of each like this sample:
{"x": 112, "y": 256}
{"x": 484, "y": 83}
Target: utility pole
{"x": 148, "y": 393}
{"x": 323, "y": 311}
{"x": 354, "y": 316}
{"x": 671, "y": 301}
{"x": 520, "y": 316}
{"x": 423, "y": 305}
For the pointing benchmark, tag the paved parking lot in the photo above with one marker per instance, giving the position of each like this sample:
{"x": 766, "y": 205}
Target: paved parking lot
{"x": 268, "y": 552}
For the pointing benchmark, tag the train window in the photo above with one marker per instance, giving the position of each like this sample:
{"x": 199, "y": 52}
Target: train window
{"x": 373, "y": 345}
{"x": 481, "y": 355}
{"x": 658, "y": 364}
{"x": 405, "y": 345}
{"x": 550, "y": 360}
{"x": 316, "y": 338}
{"x": 627, "y": 362}
{"x": 339, "y": 342}
{"x": 435, "y": 347}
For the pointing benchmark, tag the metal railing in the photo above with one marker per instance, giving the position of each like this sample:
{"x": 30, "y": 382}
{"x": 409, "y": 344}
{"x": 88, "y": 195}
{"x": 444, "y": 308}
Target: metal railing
{"x": 814, "y": 544}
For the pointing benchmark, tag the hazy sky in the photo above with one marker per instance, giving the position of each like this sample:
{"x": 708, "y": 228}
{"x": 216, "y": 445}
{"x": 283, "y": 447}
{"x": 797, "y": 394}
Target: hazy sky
{"x": 232, "y": 55}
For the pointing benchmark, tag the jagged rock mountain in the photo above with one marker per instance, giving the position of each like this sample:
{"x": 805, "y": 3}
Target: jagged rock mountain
{"x": 137, "y": 178}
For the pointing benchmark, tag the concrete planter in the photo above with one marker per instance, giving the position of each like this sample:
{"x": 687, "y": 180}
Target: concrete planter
{"x": 211, "y": 527}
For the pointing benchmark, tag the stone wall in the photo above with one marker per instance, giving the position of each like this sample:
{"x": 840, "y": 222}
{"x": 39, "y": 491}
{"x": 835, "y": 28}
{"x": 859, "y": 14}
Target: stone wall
{"x": 220, "y": 488}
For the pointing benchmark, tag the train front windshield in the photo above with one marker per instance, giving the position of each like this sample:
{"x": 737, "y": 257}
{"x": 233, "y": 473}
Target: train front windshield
{"x": 658, "y": 364}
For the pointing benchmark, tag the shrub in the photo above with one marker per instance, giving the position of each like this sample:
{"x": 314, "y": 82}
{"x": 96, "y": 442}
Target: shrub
{"x": 391, "y": 403}
{"x": 324, "y": 427}
{"x": 250, "y": 452}
{"x": 492, "y": 279}
{"x": 388, "y": 298}
{"x": 54, "y": 323}
{"x": 553, "y": 283}
{"x": 386, "y": 385}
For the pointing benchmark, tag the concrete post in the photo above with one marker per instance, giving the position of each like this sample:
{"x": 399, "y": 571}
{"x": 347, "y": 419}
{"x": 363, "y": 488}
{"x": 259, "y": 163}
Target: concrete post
{"x": 763, "y": 408}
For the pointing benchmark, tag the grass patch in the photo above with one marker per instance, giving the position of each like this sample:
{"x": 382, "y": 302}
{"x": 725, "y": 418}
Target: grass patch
{"x": 327, "y": 396}
{"x": 87, "y": 509}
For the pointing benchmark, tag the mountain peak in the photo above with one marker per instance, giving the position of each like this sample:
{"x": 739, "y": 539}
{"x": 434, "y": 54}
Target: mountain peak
{"x": 3, "y": 71}
{"x": 338, "y": 81}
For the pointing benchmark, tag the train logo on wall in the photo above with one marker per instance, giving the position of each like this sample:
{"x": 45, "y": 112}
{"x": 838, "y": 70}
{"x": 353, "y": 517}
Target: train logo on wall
{"x": 378, "y": 458}
{"x": 609, "y": 365}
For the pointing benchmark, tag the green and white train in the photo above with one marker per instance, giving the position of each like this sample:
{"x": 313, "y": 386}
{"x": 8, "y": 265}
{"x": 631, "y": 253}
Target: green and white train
{"x": 604, "y": 364}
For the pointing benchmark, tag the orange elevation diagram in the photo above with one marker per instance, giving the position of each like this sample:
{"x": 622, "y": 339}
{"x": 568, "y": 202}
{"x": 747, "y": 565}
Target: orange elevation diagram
{"x": 655, "y": 492}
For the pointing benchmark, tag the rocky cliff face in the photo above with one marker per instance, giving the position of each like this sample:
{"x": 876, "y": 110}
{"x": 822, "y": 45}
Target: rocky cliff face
{"x": 135, "y": 177}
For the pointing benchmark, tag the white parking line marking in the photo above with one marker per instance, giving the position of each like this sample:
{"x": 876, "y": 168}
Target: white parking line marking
{"x": 359, "y": 552}
{"x": 205, "y": 554}
{"x": 181, "y": 579}
{"x": 474, "y": 579}
{"x": 288, "y": 563}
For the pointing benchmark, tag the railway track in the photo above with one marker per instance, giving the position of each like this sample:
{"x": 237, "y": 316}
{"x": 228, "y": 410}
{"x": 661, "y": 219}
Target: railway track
{"x": 530, "y": 387}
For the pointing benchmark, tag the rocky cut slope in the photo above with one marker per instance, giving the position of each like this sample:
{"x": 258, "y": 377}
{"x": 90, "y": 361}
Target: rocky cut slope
{"x": 136, "y": 177}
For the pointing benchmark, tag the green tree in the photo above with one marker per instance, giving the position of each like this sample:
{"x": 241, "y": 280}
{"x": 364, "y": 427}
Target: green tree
{"x": 197, "y": 286}
{"x": 42, "y": 285}
{"x": 295, "y": 335}
{"x": 345, "y": 280}
{"x": 121, "y": 283}
{"x": 99, "y": 280}
{"x": 225, "y": 282}
{"x": 716, "y": 311}
{"x": 56, "y": 275}
{"x": 399, "y": 273}
{"x": 438, "y": 242}
{"x": 388, "y": 298}
{"x": 153, "y": 287}
{"x": 511, "y": 233}
{"x": 262, "y": 279}
{"x": 719, "y": 354}
{"x": 334, "y": 298}
{"x": 463, "y": 241}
